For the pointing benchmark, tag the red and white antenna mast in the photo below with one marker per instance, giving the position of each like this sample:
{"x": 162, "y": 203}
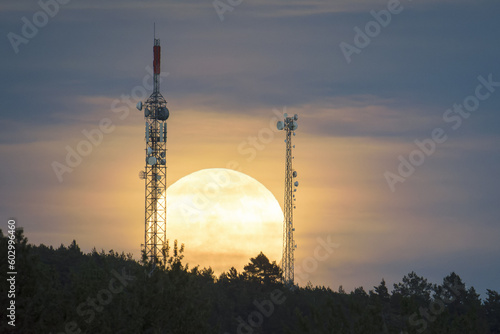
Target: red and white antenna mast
{"x": 155, "y": 170}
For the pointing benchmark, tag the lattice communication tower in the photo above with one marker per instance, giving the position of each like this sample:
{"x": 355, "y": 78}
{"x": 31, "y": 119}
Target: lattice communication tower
{"x": 155, "y": 170}
{"x": 289, "y": 125}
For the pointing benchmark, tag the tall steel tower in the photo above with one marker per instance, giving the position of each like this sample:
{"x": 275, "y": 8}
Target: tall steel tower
{"x": 155, "y": 171}
{"x": 289, "y": 125}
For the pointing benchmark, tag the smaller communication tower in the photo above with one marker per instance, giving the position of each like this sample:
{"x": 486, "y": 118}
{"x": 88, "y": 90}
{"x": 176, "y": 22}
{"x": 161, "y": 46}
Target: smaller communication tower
{"x": 289, "y": 125}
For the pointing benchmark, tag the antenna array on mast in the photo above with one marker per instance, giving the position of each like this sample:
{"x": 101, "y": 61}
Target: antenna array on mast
{"x": 289, "y": 125}
{"x": 155, "y": 170}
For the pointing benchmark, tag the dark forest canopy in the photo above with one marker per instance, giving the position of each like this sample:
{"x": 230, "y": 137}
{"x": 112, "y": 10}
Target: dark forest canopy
{"x": 63, "y": 290}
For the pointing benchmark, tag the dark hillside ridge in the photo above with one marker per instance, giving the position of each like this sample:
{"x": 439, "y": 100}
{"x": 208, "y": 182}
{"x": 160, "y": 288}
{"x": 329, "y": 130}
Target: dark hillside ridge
{"x": 66, "y": 291}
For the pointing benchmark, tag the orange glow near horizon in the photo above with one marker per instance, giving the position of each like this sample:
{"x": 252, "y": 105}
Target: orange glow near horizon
{"x": 105, "y": 194}
{"x": 342, "y": 193}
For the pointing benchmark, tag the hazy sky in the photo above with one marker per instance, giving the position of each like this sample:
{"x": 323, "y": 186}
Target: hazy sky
{"x": 366, "y": 86}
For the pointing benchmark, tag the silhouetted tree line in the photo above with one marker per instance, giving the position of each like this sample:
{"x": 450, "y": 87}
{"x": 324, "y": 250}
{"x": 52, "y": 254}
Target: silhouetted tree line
{"x": 63, "y": 290}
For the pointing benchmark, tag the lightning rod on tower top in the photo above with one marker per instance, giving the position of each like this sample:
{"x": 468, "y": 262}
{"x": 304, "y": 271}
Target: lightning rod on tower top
{"x": 155, "y": 170}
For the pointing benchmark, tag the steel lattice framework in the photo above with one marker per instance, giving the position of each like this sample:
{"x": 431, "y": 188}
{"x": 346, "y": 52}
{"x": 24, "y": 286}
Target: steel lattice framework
{"x": 155, "y": 171}
{"x": 287, "y": 262}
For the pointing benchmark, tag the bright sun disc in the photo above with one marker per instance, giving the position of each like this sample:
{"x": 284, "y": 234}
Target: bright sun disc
{"x": 223, "y": 217}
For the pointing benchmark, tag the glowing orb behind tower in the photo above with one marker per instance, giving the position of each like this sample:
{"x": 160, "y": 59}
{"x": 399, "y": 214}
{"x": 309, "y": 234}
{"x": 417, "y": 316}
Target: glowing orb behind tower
{"x": 223, "y": 217}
